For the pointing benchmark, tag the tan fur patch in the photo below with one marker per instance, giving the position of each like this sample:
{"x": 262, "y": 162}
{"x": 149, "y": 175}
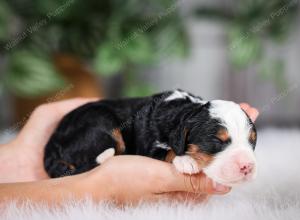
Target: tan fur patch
{"x": 170, "y": 156}
{"x": 120, "y": 148}
{"x": 223, "y": 135}
{"x": 202, "y": 159}
{"x": 69, "y": 165}
{"x": 252, "y": 136}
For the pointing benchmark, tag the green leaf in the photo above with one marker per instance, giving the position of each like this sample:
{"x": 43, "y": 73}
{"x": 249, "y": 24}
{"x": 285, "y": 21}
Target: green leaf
{"x": 30, "y": 75}
{"x": 170, "y": 42}
{"x": 245, "y": 48}
{"x": 46, "y": 6}
{"x": 138, "y": 50}
{"x": 5, "y": 17}
{"x": 138, "y": 90}
{"x": 108, "y": 60}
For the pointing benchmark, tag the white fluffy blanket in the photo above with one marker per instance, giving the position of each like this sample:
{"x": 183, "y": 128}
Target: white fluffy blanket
{"x": 274, "y": 195}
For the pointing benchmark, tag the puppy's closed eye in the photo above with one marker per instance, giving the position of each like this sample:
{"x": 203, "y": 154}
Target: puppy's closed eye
{"x": 223, "y": 135}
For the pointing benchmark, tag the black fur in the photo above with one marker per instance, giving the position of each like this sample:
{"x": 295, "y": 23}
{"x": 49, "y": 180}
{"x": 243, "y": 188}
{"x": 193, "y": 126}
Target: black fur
{"x": 86, "y": 132}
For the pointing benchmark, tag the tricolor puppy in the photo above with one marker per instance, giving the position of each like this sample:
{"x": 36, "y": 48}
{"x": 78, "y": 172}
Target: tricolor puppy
{"x": 216, "y": 136}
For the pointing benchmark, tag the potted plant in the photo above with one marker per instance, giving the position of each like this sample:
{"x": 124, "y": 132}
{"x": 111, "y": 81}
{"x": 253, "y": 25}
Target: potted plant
{"x": 63, "y": 46}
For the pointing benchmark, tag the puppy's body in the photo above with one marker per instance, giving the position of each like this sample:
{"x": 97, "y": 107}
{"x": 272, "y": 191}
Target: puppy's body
{"x": 145, "y": 125}
{"x": 171, "y": 123}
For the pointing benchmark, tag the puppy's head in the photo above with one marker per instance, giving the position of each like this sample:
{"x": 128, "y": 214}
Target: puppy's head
{"x": 222, "y": 138}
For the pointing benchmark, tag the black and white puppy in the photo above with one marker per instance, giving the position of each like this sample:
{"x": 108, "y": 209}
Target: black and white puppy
{"x": 216, "y": 136}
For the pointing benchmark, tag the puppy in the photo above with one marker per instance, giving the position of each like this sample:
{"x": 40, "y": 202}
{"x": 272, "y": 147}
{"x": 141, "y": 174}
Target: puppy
{"x": 216, "y": 137}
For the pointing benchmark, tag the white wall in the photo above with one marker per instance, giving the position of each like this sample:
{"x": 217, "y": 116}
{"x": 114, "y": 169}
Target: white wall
{"x": 207, "y": 72}
{"x": 202, "y": 72}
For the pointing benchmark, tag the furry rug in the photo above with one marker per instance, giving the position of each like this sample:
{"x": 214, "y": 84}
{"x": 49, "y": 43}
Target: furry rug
{"x": 275, "y": 194}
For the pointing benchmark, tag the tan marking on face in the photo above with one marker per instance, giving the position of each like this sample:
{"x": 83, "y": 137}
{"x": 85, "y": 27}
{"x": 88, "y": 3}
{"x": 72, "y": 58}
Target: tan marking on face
{"x": 252, "y": 136}
{"x": 223, "y": 134}
{"x": 120, "y": 148}
{"x": 202, "y": 159}
{"x": 170, "y": 156}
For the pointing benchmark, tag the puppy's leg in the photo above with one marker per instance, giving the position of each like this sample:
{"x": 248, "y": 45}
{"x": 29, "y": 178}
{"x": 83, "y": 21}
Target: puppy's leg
{"x": 119, "y": 147}
{"x": 186, "y": 164}
{"x": 105, "y": 155}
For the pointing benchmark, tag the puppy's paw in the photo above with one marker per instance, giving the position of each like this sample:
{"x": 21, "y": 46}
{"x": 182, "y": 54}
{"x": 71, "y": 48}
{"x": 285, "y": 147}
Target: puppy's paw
{"x": 110, "y": 152}
{"x": 186, "y": 164}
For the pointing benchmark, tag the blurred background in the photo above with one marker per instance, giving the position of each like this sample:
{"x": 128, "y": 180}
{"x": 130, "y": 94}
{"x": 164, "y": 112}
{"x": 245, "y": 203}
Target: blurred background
{"x": 245, "y": 51}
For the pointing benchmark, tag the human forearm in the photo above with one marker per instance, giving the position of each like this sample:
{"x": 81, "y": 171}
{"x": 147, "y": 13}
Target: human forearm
{"x": 52, "y": 191}
{"x": 11, "y": 167}
{"x": 48, "y": 191}
{"x": 118, "y": 180}
{"x": 18, "y": 166}
{"x": 127, "y": 178}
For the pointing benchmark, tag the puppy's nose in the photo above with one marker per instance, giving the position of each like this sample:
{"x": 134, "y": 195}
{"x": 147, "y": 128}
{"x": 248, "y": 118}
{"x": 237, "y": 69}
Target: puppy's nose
{"x": 246, "y": 168}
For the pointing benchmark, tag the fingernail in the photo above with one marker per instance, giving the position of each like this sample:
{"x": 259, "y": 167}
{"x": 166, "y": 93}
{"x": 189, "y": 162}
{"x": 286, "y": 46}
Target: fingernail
{"x": 220, "y": 188}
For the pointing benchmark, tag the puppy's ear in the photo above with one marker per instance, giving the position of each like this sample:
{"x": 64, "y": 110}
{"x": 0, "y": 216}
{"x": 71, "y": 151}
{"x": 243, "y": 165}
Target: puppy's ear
{"x": 178, "y": 139}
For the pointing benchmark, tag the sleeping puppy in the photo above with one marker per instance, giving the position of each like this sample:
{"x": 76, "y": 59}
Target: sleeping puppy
{"x": 216, "y": 137}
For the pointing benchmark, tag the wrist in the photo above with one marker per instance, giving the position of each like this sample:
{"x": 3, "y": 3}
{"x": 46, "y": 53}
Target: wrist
{"x": 10, "y": 163}
{"x": 94, "y": 184}
{"x": 15, "y": 164}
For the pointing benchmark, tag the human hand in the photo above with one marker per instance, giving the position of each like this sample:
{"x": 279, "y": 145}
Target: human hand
{"x": 130, "y": 178}
{"x": 22, "y": 159}
{"x": 125, "y": 179}
{"x": 151, "y": 180}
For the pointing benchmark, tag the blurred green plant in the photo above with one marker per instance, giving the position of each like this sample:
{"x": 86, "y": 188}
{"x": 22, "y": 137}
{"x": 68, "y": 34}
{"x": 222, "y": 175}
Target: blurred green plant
{"x": 111, "y": 35}
{"x": 4, "y": 20}
{"x": 32, "y": 75}
{"x": 250, "y": 23}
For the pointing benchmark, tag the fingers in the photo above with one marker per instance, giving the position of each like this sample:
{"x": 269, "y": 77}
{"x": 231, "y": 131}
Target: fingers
{"x": 198, "y": 183}
{"x": 44, "y": 119}
{"x": 152, "y": 180}
{"x": 181, "y": 197}
{"x": 191, "y": 188}
{"x": 251, "y": 112}
{"x": 60, "y": 108}
{"x": 168, "y": 179}
{"x": 54, "y": 111}
{"x": 64, "y": 107}
{"x": 188, "y": 197}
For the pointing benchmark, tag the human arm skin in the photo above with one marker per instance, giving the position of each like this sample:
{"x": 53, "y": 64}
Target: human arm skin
{"x": 118, "y": 180}
{"x": 22, "y": 159}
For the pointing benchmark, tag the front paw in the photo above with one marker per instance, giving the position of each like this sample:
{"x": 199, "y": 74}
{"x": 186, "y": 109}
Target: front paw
{"x": 186, "y": 164}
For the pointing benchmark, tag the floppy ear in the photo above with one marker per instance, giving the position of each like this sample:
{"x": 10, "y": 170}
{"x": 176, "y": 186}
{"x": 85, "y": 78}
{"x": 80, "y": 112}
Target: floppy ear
{"x": 178, "y": 140}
